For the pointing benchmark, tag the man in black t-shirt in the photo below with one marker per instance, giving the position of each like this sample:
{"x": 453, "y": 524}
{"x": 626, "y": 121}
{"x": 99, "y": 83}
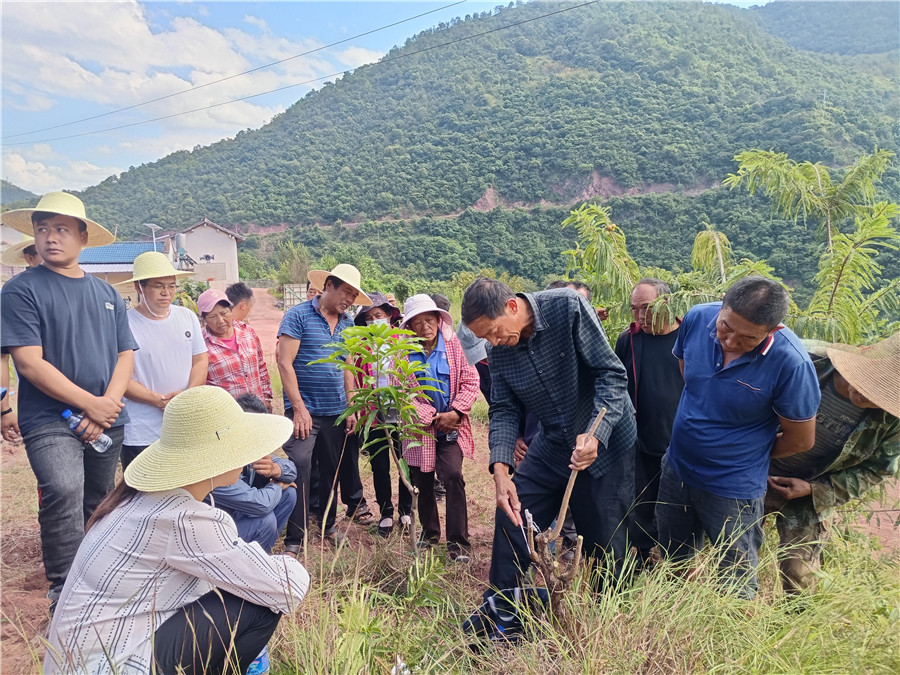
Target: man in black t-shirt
{"x": 654, "y": 385}
{"x": 72, "y": 347}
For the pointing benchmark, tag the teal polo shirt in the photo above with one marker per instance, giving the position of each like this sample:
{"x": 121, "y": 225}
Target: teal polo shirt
{"x": 727, "y": 418}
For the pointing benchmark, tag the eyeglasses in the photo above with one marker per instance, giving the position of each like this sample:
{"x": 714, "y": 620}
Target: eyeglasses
{"x": 162, "y": 287}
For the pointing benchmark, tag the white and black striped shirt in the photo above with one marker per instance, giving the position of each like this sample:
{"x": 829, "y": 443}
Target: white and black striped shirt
{"x": 144, "y": 561}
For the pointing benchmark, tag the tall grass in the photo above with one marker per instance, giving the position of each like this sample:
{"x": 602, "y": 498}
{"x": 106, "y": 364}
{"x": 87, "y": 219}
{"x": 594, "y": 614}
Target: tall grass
{"x": 368, "y": 608}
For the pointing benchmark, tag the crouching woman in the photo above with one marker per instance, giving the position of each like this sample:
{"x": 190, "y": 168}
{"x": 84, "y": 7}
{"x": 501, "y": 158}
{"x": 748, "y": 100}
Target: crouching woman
{"x": 162, "y": 582}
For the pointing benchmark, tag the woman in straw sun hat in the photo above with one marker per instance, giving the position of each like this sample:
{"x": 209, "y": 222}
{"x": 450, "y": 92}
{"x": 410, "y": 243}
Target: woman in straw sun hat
{"x": 172, "y": 355}
{"x": 162, "y": 581}
{"x": 857, "y": 447}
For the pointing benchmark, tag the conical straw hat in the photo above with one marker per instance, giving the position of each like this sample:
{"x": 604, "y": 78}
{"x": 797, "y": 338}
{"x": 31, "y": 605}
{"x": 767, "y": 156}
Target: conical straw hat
{"x": 874, "y": 371}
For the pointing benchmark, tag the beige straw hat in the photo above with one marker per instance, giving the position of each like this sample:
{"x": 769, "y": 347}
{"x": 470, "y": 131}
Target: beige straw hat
{"x": 153, "y": 265}
{"x": 64, "y": 204}
{"x": 204, "y": 434}
{"x": 874, "y": 371}
{"x": 12, "y": 255}
{"x": 346, "y": 273}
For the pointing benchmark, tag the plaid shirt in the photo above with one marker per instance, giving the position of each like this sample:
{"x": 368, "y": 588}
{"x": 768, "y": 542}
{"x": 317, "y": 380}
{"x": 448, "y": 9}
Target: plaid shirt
{"x": 869, "y": 457}
{"x": 241, "y": 372}
{"x": 464, "y": 382}
{"x": 564, "y": 373}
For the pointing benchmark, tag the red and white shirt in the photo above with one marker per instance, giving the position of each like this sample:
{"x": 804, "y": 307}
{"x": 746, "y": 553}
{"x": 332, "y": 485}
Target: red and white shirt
{"x": 238, "y": 372}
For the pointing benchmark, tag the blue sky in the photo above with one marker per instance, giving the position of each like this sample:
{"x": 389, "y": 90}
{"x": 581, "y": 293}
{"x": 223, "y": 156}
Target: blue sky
{"x": 65, "y": 61}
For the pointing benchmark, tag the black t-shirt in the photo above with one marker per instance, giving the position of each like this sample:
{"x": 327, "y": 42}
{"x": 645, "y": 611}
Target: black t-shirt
{"x": 654, "y": 383}
{"x": 79, "y": 323}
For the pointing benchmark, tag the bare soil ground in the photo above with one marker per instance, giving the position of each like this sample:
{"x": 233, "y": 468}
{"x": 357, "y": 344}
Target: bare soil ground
{"x": 23, "y": 587}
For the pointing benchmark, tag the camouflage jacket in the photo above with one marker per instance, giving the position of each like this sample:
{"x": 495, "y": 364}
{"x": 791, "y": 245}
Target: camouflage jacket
{"x": 869, "y": 457}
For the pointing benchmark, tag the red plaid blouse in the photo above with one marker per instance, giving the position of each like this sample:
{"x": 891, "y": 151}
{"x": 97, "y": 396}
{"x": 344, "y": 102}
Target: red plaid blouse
{"x": 240, "y": 372}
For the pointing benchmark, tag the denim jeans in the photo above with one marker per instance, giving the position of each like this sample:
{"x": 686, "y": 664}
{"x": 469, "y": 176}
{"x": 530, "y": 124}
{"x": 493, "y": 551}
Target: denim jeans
{"x": 73, "y": 479}
{"x": 599, "y": 507}
{"x": 685, "y": 515}
{"x": 264, "y": 530}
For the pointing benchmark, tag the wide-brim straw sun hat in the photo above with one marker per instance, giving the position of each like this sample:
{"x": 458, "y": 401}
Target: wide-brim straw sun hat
{"x": 64, "y": 204}
{"x": 153, "y": 265}
{"x": 346, "y": 273}
{"x": 204, "y": 434}
{"x": 874, "y": 371}
{"x": 419, "y": 304}
{"x": 13, "y": 255}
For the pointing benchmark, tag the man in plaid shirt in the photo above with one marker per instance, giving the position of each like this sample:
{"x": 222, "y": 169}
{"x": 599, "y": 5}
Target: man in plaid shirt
{"x": 551, "y": 357}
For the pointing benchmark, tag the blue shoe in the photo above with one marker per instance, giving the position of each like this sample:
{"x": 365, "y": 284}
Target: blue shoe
{"x": 260, "y": 664}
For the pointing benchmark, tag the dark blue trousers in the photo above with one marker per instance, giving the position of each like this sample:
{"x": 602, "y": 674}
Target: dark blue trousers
{"x": 599, "y": 507}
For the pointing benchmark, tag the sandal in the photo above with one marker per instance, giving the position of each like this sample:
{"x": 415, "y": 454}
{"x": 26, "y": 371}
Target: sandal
{"x": 362, "y": 515}
{"x": 385, "y": 527}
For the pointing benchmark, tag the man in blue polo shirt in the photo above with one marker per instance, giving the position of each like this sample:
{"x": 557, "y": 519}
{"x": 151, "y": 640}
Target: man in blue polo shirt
{"x": 745, "y": 376}
{"x": 315, "y": 394}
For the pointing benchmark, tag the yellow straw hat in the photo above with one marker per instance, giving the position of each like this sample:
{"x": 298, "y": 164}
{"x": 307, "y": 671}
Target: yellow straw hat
{"x": 874, "y": 371}
{"x": 13, "y": 256}
{"x": 64, "y": 204}
{"x": 346, "y": 273}
{"x": 153, "y": 265}
{"x": 204, "y": 434}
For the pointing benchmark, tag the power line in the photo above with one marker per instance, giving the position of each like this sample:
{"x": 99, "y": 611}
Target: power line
{"x": 231, "y": 77}
{"x": 317, "y": 79}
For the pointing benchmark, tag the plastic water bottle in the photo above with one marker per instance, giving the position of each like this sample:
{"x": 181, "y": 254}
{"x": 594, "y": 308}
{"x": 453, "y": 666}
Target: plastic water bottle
{"x": 102, "y": 444}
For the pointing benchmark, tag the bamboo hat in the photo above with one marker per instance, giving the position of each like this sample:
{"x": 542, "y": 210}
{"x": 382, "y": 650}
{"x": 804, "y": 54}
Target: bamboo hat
{"x": 64, "y": 204}
{"x": 874, "y": 371}
{"x": 204, "y": 434}
{"x": 153, "y": 265}
{"x": 346, "y": 273}
{"x": 13, "y": 255}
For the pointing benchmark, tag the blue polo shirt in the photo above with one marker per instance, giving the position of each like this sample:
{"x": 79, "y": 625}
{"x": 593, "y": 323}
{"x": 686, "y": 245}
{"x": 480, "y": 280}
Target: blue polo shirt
{"x": 321, "y": 385}
{"x": 728, "y": 417}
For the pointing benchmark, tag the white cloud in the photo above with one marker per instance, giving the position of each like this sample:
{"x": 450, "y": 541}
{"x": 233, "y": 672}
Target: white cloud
{"x": 56, "y": 174}
{"x": 353, "y": 57}
{"x": 63, "y": 61}
{"x": 256, "y": 21}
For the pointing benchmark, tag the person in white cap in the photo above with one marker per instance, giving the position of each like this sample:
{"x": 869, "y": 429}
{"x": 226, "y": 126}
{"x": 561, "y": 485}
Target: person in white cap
{"x": 857, "y": 448}
{"x": 69, "y": 339}
{"x": 23, "y": 254}
{"x": 172, "y": 355}
{"x": 315, "y": 394}
{"x": 236, "y": 360}
{"x": 162, "y": 582}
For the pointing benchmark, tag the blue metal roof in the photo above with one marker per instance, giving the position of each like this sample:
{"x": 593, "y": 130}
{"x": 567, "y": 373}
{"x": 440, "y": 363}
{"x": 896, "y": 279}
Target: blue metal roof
{"x": 119, "y": 252}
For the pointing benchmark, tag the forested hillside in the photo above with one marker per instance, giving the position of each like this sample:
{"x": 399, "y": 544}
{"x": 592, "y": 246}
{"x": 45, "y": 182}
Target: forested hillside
{"x": 859, "y": 27}
{"x": 10, "y": 193}
{"x": 467, "y": 146}
{"x": 591, "y": 101}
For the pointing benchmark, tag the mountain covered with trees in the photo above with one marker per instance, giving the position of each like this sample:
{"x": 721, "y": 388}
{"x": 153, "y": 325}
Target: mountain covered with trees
{"x": 467, "y": 146}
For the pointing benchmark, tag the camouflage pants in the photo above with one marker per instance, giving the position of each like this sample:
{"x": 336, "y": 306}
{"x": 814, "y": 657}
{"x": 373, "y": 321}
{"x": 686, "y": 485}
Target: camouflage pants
{"x": 800, "y": 542}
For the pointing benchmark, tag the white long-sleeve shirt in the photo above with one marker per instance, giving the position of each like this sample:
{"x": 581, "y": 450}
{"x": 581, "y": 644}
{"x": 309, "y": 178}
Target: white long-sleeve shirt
{"x": 144, "y": 561}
